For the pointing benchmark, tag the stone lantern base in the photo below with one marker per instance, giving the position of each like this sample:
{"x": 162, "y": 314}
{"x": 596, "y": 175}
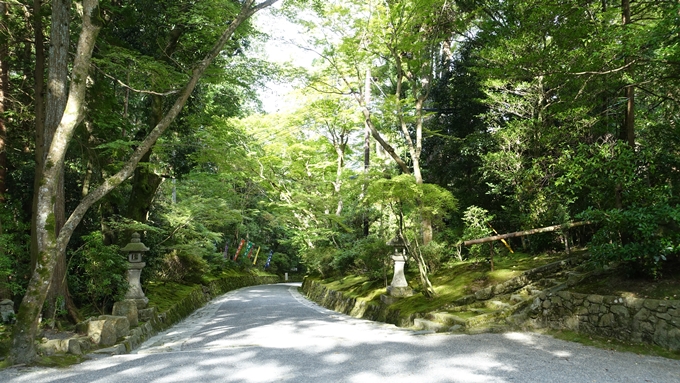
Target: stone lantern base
{"x": 135, "y": 292}
{"x": 399, "y": 287}
{"x": 399, "y": 292}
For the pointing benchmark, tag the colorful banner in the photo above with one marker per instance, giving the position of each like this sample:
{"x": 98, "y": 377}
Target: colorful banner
{"x": 269, "y": 259}
{"x": 256, "y": 253}
{"x": 249, "y": 248}
{"x": 238, "y": 251}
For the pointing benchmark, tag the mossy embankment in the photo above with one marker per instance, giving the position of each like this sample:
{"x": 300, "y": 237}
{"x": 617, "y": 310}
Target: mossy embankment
{"x": 451, "y": 282}
{"x": 471, "y": 298}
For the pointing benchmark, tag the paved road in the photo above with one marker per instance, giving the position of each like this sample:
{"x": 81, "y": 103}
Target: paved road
{"x": 272, "y": 334}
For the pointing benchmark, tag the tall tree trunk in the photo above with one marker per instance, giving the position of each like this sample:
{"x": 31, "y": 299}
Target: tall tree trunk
{"x": 4, "y": 90}
{"x": 367, "y": 145}
{"x": 50, "y": 245}
{"x": 628, "y": 131}
{"x": 57, "y": 94}
{"x": 145, "y": 182}
{"x": 39, "y": 100}
{"x": 337, "y": 185}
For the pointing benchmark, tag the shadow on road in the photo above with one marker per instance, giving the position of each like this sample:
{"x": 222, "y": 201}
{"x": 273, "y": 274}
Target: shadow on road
{"x": 261, "y": 334}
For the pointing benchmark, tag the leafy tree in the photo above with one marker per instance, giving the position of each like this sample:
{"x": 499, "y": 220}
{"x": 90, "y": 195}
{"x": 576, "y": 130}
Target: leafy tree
{"x": 50, "y": 244}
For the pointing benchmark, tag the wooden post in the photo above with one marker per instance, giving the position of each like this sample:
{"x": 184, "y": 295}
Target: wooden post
{"x": 491, "y": 245}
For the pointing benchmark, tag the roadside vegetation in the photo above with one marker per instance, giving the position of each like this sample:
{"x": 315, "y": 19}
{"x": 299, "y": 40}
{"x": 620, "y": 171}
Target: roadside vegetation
{"x": 423, "y": 122}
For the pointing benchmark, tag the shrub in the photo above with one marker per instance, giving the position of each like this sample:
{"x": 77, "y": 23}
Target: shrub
{"x": 476, "y": 226}
{"x": 641, "y": 238}
{"x": 182, "y": 266}
{"x": 97, "y": 273}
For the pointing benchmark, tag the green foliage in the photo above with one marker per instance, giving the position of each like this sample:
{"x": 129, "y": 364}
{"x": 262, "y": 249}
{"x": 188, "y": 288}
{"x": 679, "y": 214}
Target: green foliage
{"x": 280, "y": 263}
{"x": 97, "y": 273}
{"x": 318, "y": 260}
{"x": 436, "y": 254}
{"x": 642, "y": 238}
{"x": 477, "y": 221}
{"x": 411, "y": 201}
{"x": 182, "y": 265}
{"x": 14, "y": 252}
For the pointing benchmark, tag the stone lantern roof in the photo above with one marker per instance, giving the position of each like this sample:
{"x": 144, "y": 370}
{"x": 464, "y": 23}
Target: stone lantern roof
{"x": 135, "y": 245}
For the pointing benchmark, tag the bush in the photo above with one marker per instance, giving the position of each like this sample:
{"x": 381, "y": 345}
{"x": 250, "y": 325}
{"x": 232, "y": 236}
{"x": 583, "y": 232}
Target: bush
{"x": 641, "y": 238}
{"x": 182, "y": 266}
{"x": 371, "y": 257}
{"x": 434, "y": 253}
{"x": 318, "y": 260}
{"x": 97, "y": 273}
{"x": 476, "y": 226}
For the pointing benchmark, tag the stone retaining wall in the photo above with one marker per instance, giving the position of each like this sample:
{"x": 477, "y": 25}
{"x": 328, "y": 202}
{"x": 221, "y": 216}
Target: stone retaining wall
{"x": 628, "y": 319}
{"x": 154, "y": 323}
{"x": 336, "y": 301}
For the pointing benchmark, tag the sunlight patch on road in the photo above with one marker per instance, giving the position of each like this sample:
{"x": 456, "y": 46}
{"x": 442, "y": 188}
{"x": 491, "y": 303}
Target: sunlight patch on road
{"x": 526, "y": 339}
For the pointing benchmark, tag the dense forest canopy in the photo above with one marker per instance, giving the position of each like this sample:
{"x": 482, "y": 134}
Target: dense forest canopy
{"x": 435, "y": 120}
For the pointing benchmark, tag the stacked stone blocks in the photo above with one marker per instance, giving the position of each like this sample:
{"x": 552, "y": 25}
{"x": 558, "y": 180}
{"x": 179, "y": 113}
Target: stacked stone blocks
{"x": 627, "y": 319}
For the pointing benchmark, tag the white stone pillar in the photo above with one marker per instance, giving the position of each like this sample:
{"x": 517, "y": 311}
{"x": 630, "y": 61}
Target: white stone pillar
{"x": 399, "y": 286}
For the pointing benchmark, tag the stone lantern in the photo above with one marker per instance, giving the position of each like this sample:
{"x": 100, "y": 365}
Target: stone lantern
{"x": 399, "y": 287}
{"x": 135, "y": 251}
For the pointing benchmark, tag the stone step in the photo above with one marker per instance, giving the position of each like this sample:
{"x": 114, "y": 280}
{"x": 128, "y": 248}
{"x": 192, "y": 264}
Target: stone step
{"x": 446, "y": 318}
{"x": 489, "y": 328}
{"x": 424, "y": 324}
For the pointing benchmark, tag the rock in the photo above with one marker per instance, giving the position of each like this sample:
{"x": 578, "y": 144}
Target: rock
{"x": 146, "y": 315}
{"x": 50, "y": 347}
{"x": 127, "y": 308}
{"x": 61, "y": 346}
{"x": 7, "y": 313}
{"x": 101, "y": 332}
{"x": 620, "y": 310}
{"x": 120, "y": 324}
{"x": 74, "y": 346}
{"x": 607, "y": 320}
{"x": 484, "y": 294}
{"x": 424, "y": 324}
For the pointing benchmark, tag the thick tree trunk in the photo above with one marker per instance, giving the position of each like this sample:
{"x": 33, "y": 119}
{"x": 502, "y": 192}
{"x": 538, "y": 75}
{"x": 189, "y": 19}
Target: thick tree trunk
{"x": 49, "y": 244}
{"x": 337, "y": 185}
{"x": 57, "y": 94}
{"x": 145, "y": 182}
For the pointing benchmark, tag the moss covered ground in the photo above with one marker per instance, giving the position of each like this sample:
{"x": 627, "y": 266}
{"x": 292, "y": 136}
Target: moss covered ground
{"x": 452, "y": 281}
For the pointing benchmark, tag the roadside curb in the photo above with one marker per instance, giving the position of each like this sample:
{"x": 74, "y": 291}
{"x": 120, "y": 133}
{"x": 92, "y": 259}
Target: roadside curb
{"x": 158, "y": 322}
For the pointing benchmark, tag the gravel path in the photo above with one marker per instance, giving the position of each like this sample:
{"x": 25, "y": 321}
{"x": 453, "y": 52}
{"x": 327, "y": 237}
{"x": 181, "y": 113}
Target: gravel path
{"x": 272, "y": 334}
